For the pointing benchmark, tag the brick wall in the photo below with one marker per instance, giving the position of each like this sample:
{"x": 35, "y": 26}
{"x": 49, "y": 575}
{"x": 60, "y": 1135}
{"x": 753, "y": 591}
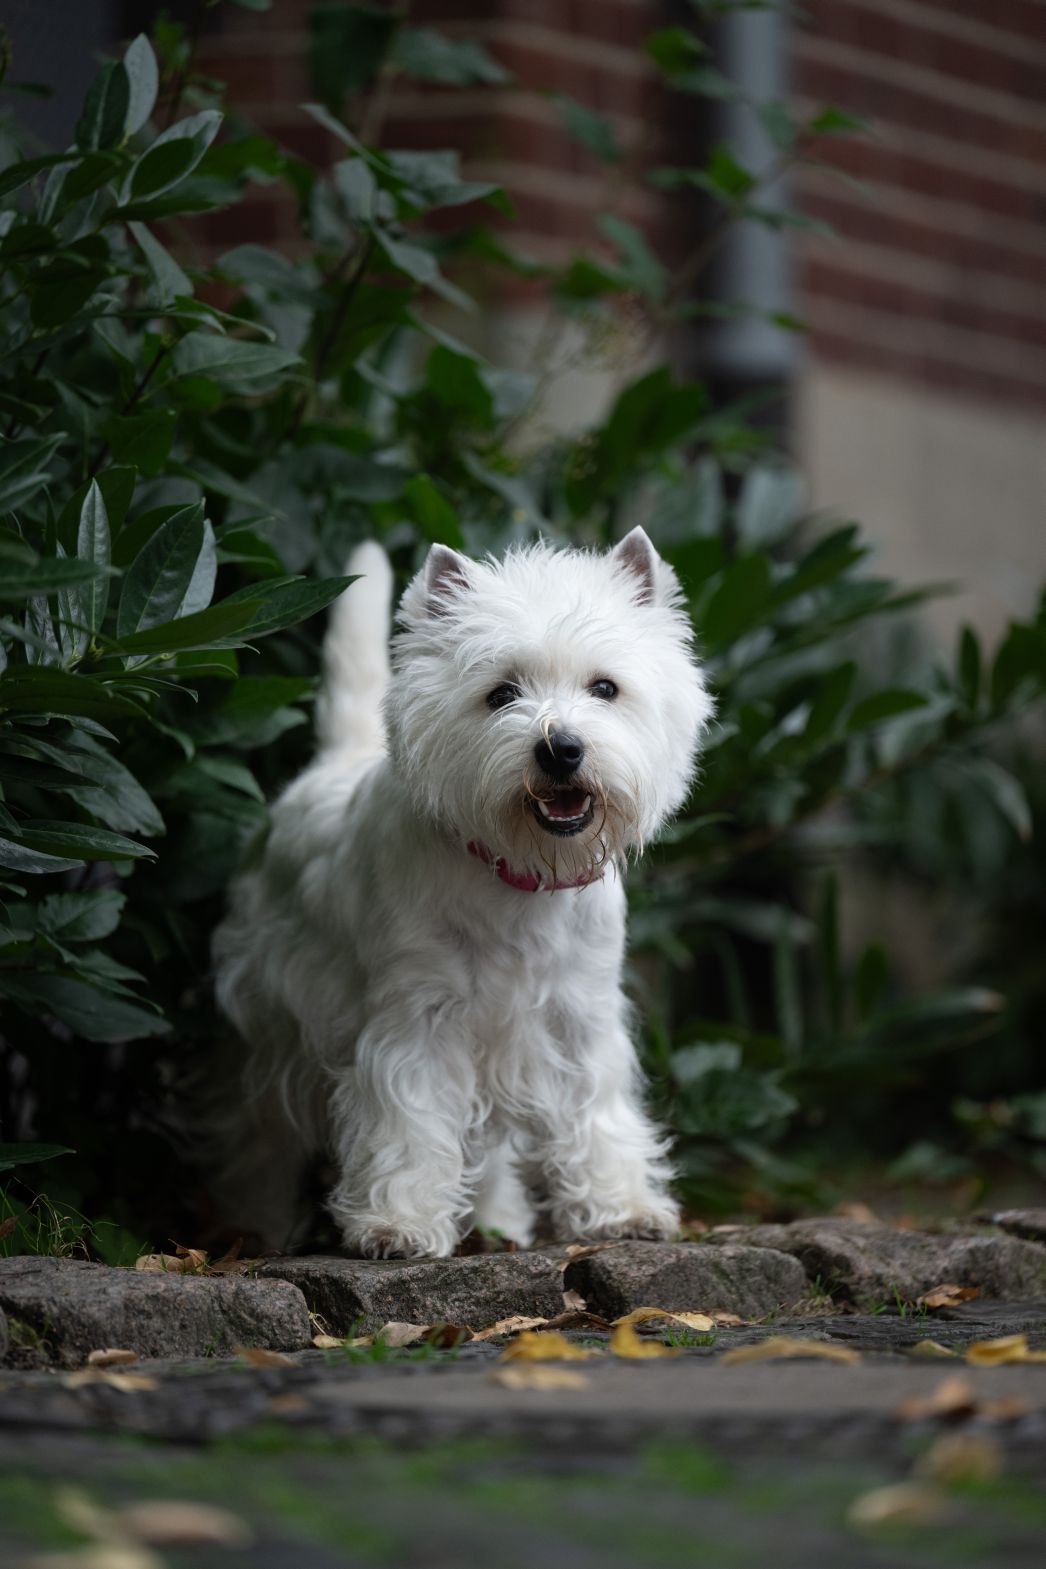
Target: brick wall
{"x": 938, "y": 276}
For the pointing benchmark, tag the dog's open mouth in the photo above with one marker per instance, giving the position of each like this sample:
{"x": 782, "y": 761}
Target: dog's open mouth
{"x": 566, "y": 811}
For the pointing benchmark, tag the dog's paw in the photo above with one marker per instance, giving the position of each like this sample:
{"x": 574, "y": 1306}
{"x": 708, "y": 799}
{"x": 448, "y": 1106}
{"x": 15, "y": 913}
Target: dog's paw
{"x": 658, "y": 1223}
{"x": 397, "y": 1242}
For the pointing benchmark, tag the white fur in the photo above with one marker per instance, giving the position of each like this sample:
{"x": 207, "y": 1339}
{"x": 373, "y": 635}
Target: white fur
{"x": 461, "y": 1046}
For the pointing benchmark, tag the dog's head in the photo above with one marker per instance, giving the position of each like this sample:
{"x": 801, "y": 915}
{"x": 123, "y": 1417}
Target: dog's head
{"x": 547, "y": 706}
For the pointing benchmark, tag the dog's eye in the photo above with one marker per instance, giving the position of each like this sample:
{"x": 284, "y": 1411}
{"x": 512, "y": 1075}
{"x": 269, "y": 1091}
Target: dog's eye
{"x": 604, "y": 689}
{"x": 503, "y": 695}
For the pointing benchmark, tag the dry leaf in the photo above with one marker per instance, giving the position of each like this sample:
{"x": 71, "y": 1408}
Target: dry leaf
{"x": 533, "y": 1346}
{"x": 702, "y": 1322}
{"x": 510, "y": 1326}
{"x": 1009, "y": 1409}
{"x": 788, "y": 1346}
{"x": 581, "y": 1319}
{"x": 260, "y": 1356}
{"x": 728, "y": 1320}
{"x": 7, "y": 1226}
{"x": 1008, "y": 1348}
{"x": 624, "y": 1342}
{"x": 111, "y": 1357}
{"x": 930, "y": 1348}
{"x": 328, "y": 1342}
{"x": 127, "y": 1382}
{"x": 954, "y": 1398}
{"x": 288, "y": 1404}
{"x": 579, "y": 1250}
{"x": 906, "y": 1503}
{"x": 574, "y": 1302}
{"x": 538, "y": 1377}
{"x": 961, "y": 1457}
{"x": 857, "y": 1211}
{"x": 948, "y": 1295}
{"x": 163, "y": 1264}
{"x": 168, "y": 1522}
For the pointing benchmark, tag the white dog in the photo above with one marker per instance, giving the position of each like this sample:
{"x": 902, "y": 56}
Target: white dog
{"x": 425, "y": 960}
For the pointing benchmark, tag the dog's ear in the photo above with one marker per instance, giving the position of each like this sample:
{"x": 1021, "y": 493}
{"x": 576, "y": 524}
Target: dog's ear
{"x": 637, "y": 556}
{"x": 446, "y": 573}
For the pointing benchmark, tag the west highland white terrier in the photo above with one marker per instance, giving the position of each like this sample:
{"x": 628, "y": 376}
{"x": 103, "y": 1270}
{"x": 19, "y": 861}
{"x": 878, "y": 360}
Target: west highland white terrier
{"x": 425, "y": 959}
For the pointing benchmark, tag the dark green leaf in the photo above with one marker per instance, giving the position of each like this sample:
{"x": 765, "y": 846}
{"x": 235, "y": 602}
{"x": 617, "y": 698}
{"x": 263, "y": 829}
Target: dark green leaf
{"x": 433, "y": 514}
{"x": 29, "y": 1154}
{"x": 592, "y": 129}
{"x": 737, "y": 602}
{"x": 21, "y": 581}
{"x": 19, "y": 857}
{"x": 92, "y": 545}
{"x": 143, "y": 79}
{"x": 172, "y": 575}
{"x": 80, "y": 917}
{"x": 429, "y": 56}
{"x": 83, "y": 841}
{"x": 230, "y": 360}
{"x": 36, "y": 690}
{"x": 104, "y": 117}
{"x": 640, "y": 267}
{"x": 96, "y": 1015}
{"x": 217, "y": 626}
{"x": 288, "y": 604}
{"x": 882, "y": 706}
{"x": 142, "y": 440}
{"x": 347, "y": 47}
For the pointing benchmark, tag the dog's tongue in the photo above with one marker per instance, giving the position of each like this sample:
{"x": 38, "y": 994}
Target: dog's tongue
{"x": 566, "y": 803}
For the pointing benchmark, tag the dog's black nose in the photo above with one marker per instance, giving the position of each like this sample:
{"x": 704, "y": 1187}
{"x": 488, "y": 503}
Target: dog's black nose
{"x": 560, "y": 755}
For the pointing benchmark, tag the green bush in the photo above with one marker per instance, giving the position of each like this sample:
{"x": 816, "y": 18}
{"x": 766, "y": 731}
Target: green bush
{"x": 188, "y": 452}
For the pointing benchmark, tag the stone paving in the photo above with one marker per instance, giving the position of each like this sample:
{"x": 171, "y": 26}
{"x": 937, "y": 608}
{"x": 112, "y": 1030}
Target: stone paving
{"x": 830, "y": 1283}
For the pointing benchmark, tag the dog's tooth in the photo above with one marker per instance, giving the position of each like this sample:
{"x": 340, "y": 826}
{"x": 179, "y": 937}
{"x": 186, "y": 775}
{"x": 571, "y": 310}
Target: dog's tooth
{"x": 544, "y": 809}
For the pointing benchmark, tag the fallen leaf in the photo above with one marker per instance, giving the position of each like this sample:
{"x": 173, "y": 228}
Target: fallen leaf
{"x": 857, "y": 1211}
{"x": 930, "y": 1348}
{"x": 111, "y": 1357}
{"x": 395, "y": 1335}
{"x": 579, "y": 1250}
{"x": 287, "y": 1404}
{"x": 702, "y": 1322}
{"x": 163, "y": 1264}
{"x": 624, "y": 1342}
{"x": 327, "y": 1342}
{"x": 538, "y": 1377}
{"x": 954, "y": 1398}
{"x": 170, "y": 1522}
{"x": 510, "y": 1326}
{"x": 948, "y": 1295}
{"x": 574, "y": 1302}
{"x": 961, "y": 1457}
{"x": 580, "y": 1319}
{"x": 260, "y": 1356}
{"x": 789, "y": 1346}
{"x": 728, "y": 1320}
{"x": 7, "y": 1226}
{"x": 533, "y": 1346}
{"x": 693, "y": 1227}
{"x": 126, "y": 1382}
{"x": 1008, "y": 1409}
{"x": 1008, "y": 1348}
{"x": 905, "y": 1503}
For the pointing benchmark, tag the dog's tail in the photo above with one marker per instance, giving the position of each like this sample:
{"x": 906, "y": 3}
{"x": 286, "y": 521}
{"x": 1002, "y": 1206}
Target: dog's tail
{"x": 356, "y": 656}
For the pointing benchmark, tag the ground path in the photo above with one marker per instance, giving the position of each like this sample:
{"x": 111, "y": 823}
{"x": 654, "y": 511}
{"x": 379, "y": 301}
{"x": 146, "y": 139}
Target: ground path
{"x": 423, "y": 1457}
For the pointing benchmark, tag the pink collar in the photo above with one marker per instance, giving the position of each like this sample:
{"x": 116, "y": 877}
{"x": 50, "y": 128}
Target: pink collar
{"x": 526, "y": 882}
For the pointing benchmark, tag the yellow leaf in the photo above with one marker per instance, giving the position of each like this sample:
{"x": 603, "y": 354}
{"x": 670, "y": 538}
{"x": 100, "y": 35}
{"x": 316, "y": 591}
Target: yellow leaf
{"x": 905, "y": 1503}
{"x": 961, "y": 1457}
{"x": 788, "y": 1346}
{"x": 624, "y": 1342}
{"x": 396, "y": 1335}
{"x": 170, "y": 1522}
{"x": 163, "y": 1264}
{"x": 930, "y": 1348}
{"x": 953, "y": 1397}
{"x": 328, "y": 1342}
{"x": 702, "y": 1322}
{"x": 533, "y": 1346}
{"x": 948, "y": 1295}
{"x": 260, "y": 1356}
{"x": 538, "y": 1377}
{"x": 1008, "y": 1348}
{"x": 510, "y": 1326}
{"x": 111, "y": 1357}
{"x": 126, "y": 1382}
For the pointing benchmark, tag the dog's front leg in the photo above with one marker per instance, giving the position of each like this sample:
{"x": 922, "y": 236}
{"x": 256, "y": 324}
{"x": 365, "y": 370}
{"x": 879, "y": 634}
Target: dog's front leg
{"x": 402, "y": 1119}
{"x": 604, "y": 1163}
